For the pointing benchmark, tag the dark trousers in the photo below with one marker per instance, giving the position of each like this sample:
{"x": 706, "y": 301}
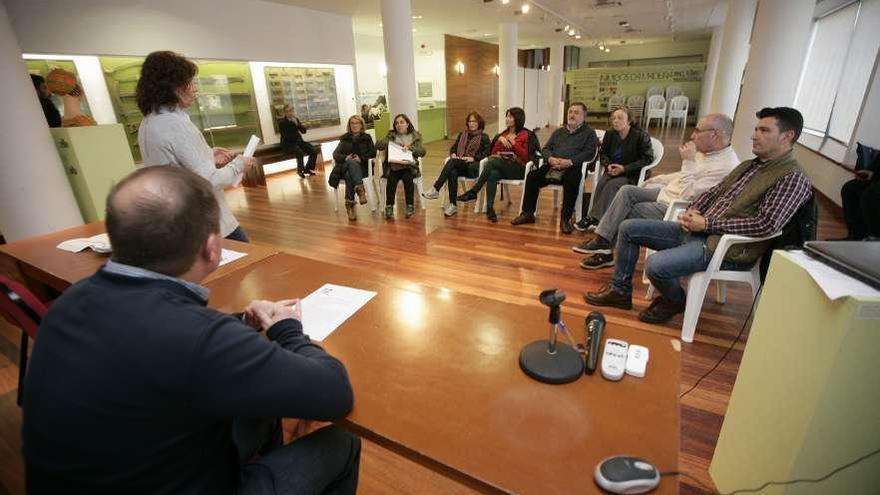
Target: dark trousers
{"x": 405, "y": 174}
{"x": 455, "y": 168}
{"x": 861, "y": 208}
{"x": 301, "y": 149}
{"x": 238, "y": 235}
{"x": 497, "y": 169}
{"x": 324, "y": 461}
{"x": 571, "y": 180}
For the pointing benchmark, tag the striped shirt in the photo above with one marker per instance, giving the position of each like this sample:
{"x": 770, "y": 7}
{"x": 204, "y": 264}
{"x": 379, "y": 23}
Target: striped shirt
{"x": 168, "y": 137}
{"x": 777, "y": 207}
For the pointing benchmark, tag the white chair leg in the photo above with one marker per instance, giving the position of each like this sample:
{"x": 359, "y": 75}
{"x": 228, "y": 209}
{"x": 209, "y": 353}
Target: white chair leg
{"x": 522, "y": 198}
{"x": 696, "y": 292}
{"x": 418, "y": 194}
{"x": 336, "y": 196}
{"x": 720, "y": 292}
{"x": 382, "y": 185}
{"x": 371, "y": 194}
{"x": 649, "y": 294}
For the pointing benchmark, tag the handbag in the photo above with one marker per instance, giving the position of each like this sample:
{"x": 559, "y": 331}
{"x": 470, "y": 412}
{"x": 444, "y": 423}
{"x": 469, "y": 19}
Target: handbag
{"x": 554, "y": 175}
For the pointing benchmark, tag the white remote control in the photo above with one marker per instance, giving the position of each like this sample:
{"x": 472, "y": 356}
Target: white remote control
{"x": 614, "y": 359}
{"x": 636, "y": 360}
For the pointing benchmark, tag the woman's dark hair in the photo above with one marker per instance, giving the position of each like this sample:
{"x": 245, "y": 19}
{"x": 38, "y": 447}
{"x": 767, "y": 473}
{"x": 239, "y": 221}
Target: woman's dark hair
{"x": 162, "y": 74}
{"x": 409, "y": 126}
{"x": 519, "y": 118}
{"x": 481, "y": 124}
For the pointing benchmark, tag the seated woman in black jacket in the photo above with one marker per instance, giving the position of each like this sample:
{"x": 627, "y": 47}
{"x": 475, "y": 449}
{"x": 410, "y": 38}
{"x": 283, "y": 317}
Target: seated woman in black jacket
{"x": 404, "y": 135}
{"x": 351, "y": 157}
{"x": 292, "y": 143}
{"x": 625, "y": 149}
{"x": 471, "y": 146}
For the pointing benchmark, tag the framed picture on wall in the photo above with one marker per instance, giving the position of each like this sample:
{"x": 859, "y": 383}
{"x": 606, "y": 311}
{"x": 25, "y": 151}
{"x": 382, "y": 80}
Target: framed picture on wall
{"x": 426, "y": 89}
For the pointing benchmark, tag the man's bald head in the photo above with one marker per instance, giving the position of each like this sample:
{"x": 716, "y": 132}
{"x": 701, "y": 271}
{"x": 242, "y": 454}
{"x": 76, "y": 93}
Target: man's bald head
{"x": 158, "y": 218}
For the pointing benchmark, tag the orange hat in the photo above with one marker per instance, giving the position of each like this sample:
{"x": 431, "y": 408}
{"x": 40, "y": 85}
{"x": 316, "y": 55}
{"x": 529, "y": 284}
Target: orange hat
{"x": 61, "y": 81}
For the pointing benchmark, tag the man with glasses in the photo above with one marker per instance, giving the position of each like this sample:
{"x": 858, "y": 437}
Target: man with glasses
{"x": 705, "y": 160}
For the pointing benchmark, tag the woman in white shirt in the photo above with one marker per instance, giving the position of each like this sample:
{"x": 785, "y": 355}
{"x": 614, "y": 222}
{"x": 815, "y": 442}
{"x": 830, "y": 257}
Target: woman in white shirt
{"x": 168, "y": 86}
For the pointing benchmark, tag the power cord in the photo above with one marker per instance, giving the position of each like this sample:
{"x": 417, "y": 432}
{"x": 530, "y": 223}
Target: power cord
{"x": 769, "y": 483}
{"x": 732, "y": 345}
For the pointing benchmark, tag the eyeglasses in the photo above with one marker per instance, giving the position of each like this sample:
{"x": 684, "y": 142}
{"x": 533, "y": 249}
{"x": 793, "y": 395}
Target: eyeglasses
{"x": 698, "y": 130}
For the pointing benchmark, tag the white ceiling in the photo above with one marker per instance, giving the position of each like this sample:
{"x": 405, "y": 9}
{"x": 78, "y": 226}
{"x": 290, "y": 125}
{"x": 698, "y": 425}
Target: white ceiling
{"x": 651, "y": 20}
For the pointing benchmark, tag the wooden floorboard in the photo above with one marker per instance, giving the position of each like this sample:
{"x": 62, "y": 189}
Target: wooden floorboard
{"x": 469, "y": 255}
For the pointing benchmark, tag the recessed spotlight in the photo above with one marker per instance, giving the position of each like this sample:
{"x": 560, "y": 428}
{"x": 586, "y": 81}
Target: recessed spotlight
{"x": 487, "y": 35}
{"x": 577, "y": 36}
{"x": 525, "y": 8}
{"x": 414, "y": 30}
{"x": 571, "y": 32}
{"x": 567, "y": 27}
{"x": 505, "y": 2}
{"x": 417, "y": 17}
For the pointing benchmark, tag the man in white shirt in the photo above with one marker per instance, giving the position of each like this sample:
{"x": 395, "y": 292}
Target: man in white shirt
{"x": 706, "y": 159}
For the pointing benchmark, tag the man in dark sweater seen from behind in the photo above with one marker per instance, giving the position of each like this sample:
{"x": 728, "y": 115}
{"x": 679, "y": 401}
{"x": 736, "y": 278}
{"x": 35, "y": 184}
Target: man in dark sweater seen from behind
{"x": 564, "y": 154}
{"x": 136, "y": 386}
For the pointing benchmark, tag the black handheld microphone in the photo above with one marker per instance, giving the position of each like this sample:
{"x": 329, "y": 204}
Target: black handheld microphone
{"x": 595, "y": 326}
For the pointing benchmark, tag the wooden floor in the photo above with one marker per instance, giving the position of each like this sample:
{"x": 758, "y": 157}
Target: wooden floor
{"x": 466, "y": 254}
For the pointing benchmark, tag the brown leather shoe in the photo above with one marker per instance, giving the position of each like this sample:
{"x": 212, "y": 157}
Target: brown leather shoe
{"x": 661, "y": 310}
{"x": 350, "y": 210}
{"x": 361, "y": 193}
{"x": 523, "y": 218}
{"x": 609, "y": 297}
{"x": 566, "y": 226}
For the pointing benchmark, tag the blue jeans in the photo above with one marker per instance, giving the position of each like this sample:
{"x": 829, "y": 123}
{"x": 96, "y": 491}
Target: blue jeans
{"x": 678, "y": 253}
{"x": 354, "y": 176}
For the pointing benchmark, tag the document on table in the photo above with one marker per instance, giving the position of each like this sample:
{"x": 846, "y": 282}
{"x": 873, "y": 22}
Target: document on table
{"x": 834, "y": 283}
{"x": 228, "y": 256}
{"x": 249, "y": 151}
{"x": 329, "y": 306}
{"x": 99, "y": 243}
{"x": 396, "y": 154}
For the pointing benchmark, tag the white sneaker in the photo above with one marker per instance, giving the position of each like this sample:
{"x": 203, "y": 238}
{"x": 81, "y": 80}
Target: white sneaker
{"x": 450, "y": 210}
{"x": 432, "y": 194}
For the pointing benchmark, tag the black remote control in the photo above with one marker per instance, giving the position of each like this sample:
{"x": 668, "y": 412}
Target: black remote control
{"x": 595, "y": 324}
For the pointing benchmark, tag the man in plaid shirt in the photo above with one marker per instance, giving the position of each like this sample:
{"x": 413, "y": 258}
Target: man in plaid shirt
{"x": 758, "y": 198}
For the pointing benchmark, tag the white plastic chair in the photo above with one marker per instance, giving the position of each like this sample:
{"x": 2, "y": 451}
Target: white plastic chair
{"x": 636, "y": 106}
{"x": 654, "y": 90}
{"x": 698, "y": 282}
{"x": 505, "y": 183}
{"x": 615, "y": 102}
{"x": 655, "y": 109}
{"x": 468, "y": 182}
{"x": 672, "y": 92}
{"x": 557, "y": 188}
{"x": 418, "y": 181}
{"x": 368, "y": 188}
{"x": 678, "y": 109}
{"x": 658, "y": 155}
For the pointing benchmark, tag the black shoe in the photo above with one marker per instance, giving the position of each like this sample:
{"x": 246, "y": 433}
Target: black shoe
{"x": 566, "y": 226}
{"x": 596, "y": 245}
{"x": 523, "y": 218}
{"x": 661, "y": 310}
{"x": 301, "y": 173}
{"x": 609, "y": 297}
{"x": 597, "y": 261}
{"x": 468, "y": 196}
{"x": 491, "y": 215}
{"x": 584, "y": 224}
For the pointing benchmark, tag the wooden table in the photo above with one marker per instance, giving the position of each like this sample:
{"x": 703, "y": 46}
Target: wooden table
{"x": 436, "y": 379}
{"x": 48, "y": 270}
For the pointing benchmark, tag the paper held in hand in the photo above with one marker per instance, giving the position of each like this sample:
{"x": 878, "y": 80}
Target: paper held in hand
{"x": 249, "y": 151}
{"x": 329, "y": 306}
{"x": 396, "y": 154}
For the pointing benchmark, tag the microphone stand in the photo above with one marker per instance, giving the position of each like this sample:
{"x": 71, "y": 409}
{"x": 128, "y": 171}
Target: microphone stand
{"x": 549, "y": 361}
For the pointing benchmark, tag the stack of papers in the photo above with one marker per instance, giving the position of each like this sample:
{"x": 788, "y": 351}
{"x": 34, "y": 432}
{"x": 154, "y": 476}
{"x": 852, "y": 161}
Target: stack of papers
{"x": 396, "y": 154}
{"x": 328, "y": 307}
{"x": 228, "y": 256}
{"x": 98, "y": 243}
{"x": 833, "y": 283}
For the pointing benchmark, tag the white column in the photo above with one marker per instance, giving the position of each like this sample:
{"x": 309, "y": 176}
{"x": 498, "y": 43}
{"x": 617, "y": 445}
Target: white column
{"x": 557, "y": 52}
{"x": 507, "y": 69}
{"x": 735, "y": 41}
{"x": 711, "y": 71}
{"x": 399, "y": 58}
{"x": 35, "y": 196}
{"x": 780, "y": 39}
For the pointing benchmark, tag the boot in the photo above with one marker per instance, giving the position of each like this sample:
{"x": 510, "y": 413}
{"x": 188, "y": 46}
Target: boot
{"x": 349, "y": 209}
{"x": 361, "y": 193}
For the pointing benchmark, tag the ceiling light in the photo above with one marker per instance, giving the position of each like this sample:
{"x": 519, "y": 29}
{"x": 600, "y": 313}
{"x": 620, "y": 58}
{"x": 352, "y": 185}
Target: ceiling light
{"x": 577, "y": 36}
{"x": 505, "y": 2}
{"x": 567, "y": 27}
{"x": 525, "y": 8}
{"x": 414, "y": 30}
{"x": 417, "y": 17}
{"x": 571, "y": 32}
{"x": 487, "y": 35}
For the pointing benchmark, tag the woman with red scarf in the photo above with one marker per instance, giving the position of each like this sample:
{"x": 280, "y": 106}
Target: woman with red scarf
{"x": 471, "y": 146}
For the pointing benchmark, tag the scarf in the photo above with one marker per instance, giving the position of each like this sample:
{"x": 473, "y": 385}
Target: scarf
{"x": 469, "y": 143}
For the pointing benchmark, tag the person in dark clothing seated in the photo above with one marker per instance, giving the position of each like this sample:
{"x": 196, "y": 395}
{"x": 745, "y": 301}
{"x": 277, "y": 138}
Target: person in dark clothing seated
{"x": 292, "y": 143}
{"x": 352, "y": 157}
{"x": 564, "y": 154}
{"x": 53, "y": 116}
{"x": 136, "y": 386}
{"x": 509, "y": 155}
{"x": 405, "y": 136}
{"x": 471, "y": 146}
{"x": 625, "y": 149}
{"x": 861, "y": 196}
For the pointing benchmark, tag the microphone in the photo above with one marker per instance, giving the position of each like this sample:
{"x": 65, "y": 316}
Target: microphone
{"x": 550, "y": 361}
{"x": 595, "y": 326}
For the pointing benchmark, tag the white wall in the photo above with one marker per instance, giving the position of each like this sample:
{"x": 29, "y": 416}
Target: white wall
{"x": 430, "y": 63}
{"x": 370, "y": 58}
{"x": 222, "y": 29}
{"x": 430, "y": 55}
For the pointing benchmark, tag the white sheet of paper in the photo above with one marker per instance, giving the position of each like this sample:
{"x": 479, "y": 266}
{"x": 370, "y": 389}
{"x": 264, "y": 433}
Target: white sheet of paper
{"x": 329, "y": 306}
{"x": 835, "y": 284}
{"x": 99, "y": 243}
{"x": 397, "y": 155}
{"x": 228, "y": 256}
{"x": 251, "y": 147}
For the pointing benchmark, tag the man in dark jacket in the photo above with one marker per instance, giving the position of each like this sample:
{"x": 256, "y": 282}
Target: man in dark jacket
{"x": 564, "y": 154}
{"x": 292, "y": 143}
{"x": 861, "y": 196}
{"x": 135, "y": 384}
{"x": 53, "y": 116}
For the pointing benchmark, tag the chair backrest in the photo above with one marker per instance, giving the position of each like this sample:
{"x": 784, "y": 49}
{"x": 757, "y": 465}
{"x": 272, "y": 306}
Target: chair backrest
{"x": 679, "y": 104}
{"x": 20, "y": 307}
{"x": 600, "y": 133}
{"x": 616, "y": 101}
{"x": 656, "y": 102}
{"x": 654, "y": 90}
{"x": 673, "y": 91}
{"x": 800, "y": 229}
{"x": 635, "y": 102}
